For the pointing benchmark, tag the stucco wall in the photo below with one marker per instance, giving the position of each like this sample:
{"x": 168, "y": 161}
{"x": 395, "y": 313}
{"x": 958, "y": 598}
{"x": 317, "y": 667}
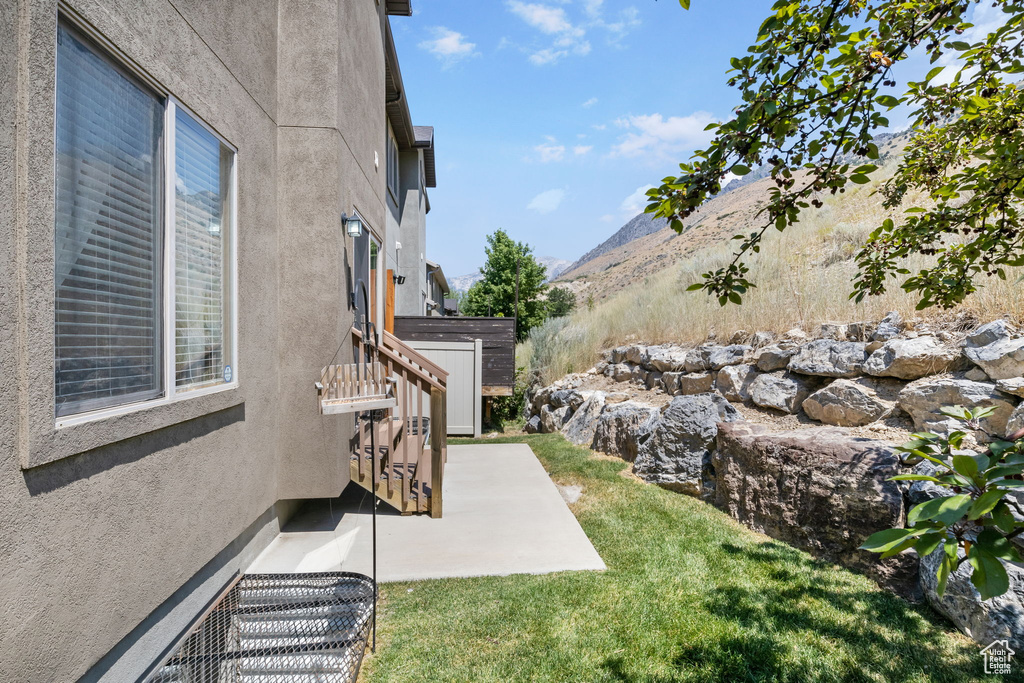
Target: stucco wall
{"x": 409, "y": 298}
{"x": 106, "y": 523}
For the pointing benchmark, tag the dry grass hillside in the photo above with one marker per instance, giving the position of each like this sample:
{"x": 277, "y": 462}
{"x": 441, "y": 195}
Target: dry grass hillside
{"x": 804, "y": 276}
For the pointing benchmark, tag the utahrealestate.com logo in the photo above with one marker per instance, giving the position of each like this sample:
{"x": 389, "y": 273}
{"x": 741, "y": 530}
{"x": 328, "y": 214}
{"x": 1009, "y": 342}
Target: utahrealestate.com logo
{"x": 997, "y": 657}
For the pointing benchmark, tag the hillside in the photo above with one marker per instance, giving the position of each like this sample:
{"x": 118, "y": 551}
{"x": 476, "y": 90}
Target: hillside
{"x": 554, "y": 266}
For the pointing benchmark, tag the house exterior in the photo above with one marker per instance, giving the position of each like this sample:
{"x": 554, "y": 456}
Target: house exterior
{"x": 174, "y": 274}
{"x": 437, "y": 288}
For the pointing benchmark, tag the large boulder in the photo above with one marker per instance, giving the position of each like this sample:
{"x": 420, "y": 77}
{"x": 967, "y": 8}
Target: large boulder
{"x": 696, "y": 383}
{"x": 888, "y": 327}
{"x": 579, "y": 429}
{"x": 639, "y": 375}
{"x": 722, "y": 356}
{"x": 983, "y": 620}
{"x": 733, "y": 382}
{"x": 636, "y": 354}
{"x": 620, "y": 372}
{"x": 923, "y": 398}
{"x": 666, "y": 358}
{"x": 1002, "y": 359}
{"x": 827, "y": 358}
{"x": 1016, "y": 421}
{"x": 911, "y": 358}
{"x": 997, "y": 330}
{"x": 819, "y": 489}
{"x": 552, "y": 419}
{"x": 621, "y": 428}
{"x": 670, "y": 382}
{"x": 849, "y": 403}
{"x": 678, "y": 450}
{"x": 653, "y": 379}
{"x": 698, "y": 359}
{"x": 533, "y": 425}
{"x": 779, "y": 390}
{"x": 568, "y": 397}
{"x": 774, "y": 357}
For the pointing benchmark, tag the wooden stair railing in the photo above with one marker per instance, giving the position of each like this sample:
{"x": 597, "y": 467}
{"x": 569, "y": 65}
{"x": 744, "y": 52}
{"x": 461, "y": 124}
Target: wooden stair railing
{"x": 407, "y": 469}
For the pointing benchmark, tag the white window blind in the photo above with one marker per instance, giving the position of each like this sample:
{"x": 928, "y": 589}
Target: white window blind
{"x": 108, "y": 233}
{"x": 202, "y": 209}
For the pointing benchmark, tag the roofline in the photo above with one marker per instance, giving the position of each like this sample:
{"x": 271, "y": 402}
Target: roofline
{"x": 398, "y": 8}
{"x": 397, "y": 105}
{"x": 438, "y": 275}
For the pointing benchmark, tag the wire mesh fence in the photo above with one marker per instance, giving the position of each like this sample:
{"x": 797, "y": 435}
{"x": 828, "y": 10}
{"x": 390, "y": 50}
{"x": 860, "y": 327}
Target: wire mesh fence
{"x": 279, "y": 628}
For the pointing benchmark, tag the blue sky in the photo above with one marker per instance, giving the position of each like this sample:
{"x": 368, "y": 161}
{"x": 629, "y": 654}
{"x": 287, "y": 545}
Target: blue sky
{"x": 549, "y": 115}
{"x": 552, "y": 117}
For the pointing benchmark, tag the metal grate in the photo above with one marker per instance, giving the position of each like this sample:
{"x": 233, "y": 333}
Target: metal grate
{"x": 279, "y": 628}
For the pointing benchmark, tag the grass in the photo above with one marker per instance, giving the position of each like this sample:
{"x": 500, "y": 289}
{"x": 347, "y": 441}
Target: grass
{"x": 689, "y": 595}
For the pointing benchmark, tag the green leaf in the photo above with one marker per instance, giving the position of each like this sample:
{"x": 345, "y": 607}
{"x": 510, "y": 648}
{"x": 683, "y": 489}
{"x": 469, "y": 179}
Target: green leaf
{"x": 887, "y": 101}
{"x": 740, "y": 169}
{"x": 965, "y": 465}
{"x": 989, "y": 575}
{"x": 994, "y": 543}
{"x": 934, "y": 72}
{"x": 1004, "y": 518}
{"x": 927, "y": 544}
{"x": 685, "y": 4}
{"x": 860, "y": 178}
{"x": 947, "y": 510}
{"x": 985, "y": 503}
{"x": 880, "y": 541}
{"x": 914, "y": 477}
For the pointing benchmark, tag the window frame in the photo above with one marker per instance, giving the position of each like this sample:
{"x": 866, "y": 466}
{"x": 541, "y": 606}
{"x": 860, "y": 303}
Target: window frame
{"x": 393, "y": 173}
{"x": 171, "y": 394}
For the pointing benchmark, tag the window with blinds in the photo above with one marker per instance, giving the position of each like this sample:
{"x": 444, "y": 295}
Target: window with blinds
{"x": 116, "y": 215}
{"x": 108, "y": 233}
{"x": 202, "y": 191}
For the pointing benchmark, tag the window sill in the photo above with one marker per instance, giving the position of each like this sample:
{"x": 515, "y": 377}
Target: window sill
{"x": 85, "y": 433}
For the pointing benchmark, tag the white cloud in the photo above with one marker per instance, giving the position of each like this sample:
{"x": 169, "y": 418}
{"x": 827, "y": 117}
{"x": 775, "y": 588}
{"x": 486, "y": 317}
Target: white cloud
{"x": 729, "y": 177}
{"x": 546, "y": 202}
{"x": 589, "y": 103}
{"x": 580, "y": 150}
{"x": 636, "y": 202}
{"x": 568, "y": 37}
{"x": 550, "y": 151}
{"x": 657, "y": 136}
{"x": 448, "y": 46}
{"x": 599, "y": 126}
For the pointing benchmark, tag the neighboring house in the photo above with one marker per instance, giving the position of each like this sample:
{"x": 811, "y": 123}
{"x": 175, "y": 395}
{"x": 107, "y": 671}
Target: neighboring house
{"x": 437, "y": 288}
{"x": 174, "y": 275}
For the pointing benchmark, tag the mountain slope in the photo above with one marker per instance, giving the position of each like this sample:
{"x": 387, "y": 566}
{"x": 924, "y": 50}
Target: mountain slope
{"x": 554, "y": 266}
{"x": 640, "y": 226}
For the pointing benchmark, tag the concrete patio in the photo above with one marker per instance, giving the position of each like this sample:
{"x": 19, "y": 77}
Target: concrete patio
{"x": 502, "y": 515}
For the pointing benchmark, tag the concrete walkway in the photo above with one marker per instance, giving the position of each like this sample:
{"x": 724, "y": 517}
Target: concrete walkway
{"x": 502, "y": 515}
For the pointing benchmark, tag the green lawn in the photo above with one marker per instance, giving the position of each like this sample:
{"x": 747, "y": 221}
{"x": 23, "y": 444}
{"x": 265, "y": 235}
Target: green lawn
{"x": 689, "y": 595}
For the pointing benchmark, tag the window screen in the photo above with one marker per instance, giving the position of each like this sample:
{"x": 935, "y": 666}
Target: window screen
{"x": 108, "y": 233}
{"x": 202, "y": 206}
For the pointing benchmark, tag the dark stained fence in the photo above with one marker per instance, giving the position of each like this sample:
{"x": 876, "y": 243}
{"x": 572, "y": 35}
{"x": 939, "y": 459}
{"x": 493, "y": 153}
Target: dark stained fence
{"x": 497, "y": 334}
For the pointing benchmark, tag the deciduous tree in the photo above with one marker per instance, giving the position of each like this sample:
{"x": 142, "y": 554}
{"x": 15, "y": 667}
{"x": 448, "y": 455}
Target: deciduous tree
{"x": 495, "y": 294}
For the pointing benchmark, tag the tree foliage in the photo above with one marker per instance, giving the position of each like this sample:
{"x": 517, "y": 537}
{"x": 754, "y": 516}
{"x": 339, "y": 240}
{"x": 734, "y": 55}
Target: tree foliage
{"x": 816, "y": 87}
{"x": 495, "y": 294}
{"x": 561, "y": 302}
{"x": 977, "y": 518}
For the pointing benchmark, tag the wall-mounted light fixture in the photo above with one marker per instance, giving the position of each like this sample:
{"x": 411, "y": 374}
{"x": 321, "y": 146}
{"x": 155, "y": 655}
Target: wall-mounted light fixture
{"x": 353, "y": 225}
{"x": 400, "y": 279}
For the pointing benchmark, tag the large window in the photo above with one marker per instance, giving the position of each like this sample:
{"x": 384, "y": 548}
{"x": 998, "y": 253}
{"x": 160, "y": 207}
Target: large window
{"x": 392, "y": 164}
{"x": 144, "y": 228}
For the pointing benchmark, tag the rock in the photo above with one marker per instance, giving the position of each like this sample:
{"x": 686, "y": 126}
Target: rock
{"x": 620, "y": 372}
{"x": 859, "y": 331}
{"x": 795, "y": 334}
{"x": 541, "y": 398}
{"x": 552, "y": 419}
{"x": 570, "y": 494}
{"x": 923, "y": 399}
{"x": 636, "y": 354}
{"x": 827, "y": 358}
{"x": 1015, "y": 423}
{"x": 721, "y": 356}
{"x": 779, "y": 390}
{"x": 567, "y": 397}
{"x": 773, "y": 358}
{"x": 873, "y": 346}
{"x": 616, "y": 397}
{"x": 847, "y": 403}
{"x": 984, "y": 621}
{"x": 819, "y": 489}
{"x": 666, "y": 359}
{"x": 976, "y": 374}
{"x": 739, "y": 337}
{"x": 911, "y": 358}
{"x": 696, "y": 383}
{"x": 622, "y": 428}
{"x": 733, "y": 382}
{"x": 888, "y": 328}
{"x": 580, "y": 427}
{"x": 639, "y": 375}
{"x": 1002, "y": 359}
{"x": 678, "y": 449}
{"x": 1013, "y": 386}
{"x": 653, "y": 379}
{"x": 618, "y": 355}
{"x": 533, "y": 425}
{"x": 997, "y": 330}
{"x": 923, "y": 491}
{"x": 670, "y": 382}
{"x": 835, "y": 331}
{"x": 698, "y": 359}
{"x": 761, "y": 339}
